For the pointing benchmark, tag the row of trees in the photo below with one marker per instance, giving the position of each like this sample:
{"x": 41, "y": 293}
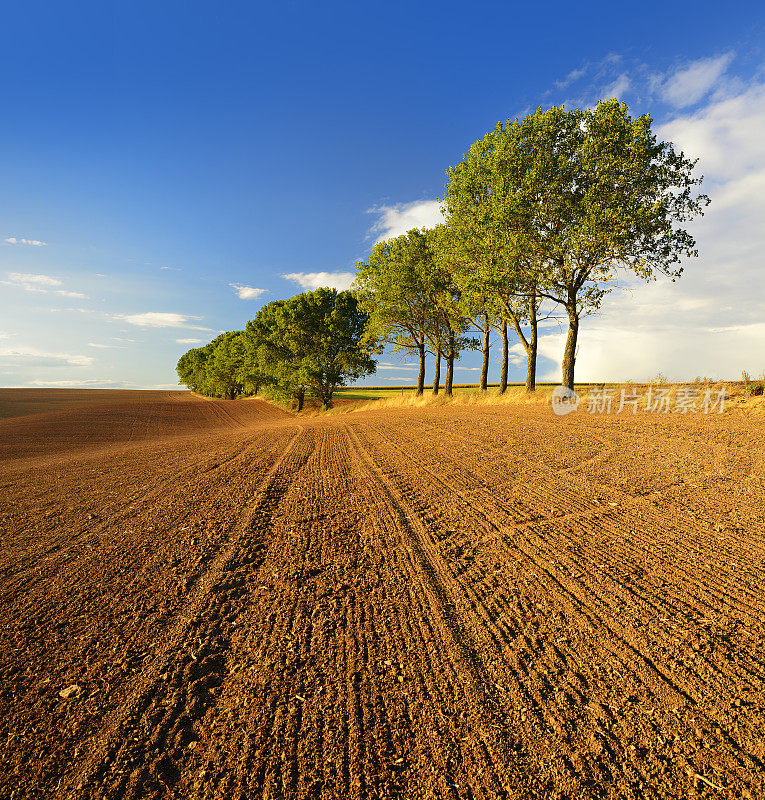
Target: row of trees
{"x": 307, "y": 345}
{"x": 541, "y": 217}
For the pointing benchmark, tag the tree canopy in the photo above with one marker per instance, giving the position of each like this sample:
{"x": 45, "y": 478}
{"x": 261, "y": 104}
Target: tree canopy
{"x": 306, "y": 345}
{"x": 555, "y": 205}
{"x": 313, "y": 342}
{"x": 392, "y": 286}
{"x": 542, "y": 216}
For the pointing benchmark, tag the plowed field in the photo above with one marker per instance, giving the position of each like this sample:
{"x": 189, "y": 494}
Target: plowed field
{"x": 446, "y": 602}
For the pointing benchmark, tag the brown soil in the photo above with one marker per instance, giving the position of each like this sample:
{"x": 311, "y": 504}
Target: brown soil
{"x": 20, "y": 402}
{"x": 456, "y": 602}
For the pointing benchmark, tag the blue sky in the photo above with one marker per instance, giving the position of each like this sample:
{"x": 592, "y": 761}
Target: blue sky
{"x": 165, "y": 165}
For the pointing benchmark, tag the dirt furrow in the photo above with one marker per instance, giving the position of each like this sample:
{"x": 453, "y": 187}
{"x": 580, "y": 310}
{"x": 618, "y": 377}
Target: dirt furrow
{"x": 449, "y": 602}
{"x": 137, "y": 753}
{"x": 619, "y": 635}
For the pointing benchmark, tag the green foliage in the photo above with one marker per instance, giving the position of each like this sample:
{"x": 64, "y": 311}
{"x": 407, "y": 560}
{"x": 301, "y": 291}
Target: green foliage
{"x": 392, "y": 289}
{"x": 452, "y": 307}
{"x": 547, "y": 210}
{"x": 561, "y": 201}
{"x": 313, "y": 342}
{"x": 220, "y": 368}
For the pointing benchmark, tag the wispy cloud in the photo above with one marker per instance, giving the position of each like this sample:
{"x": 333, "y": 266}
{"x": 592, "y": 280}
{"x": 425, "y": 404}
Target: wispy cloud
{"x": 30, "y": 242}
{"x": 162, "y": 319}
{"x": 572, "y": 77}
{"x": 21, "y": 355}
{"x": 618, "y": 88}
{"x": 310, "y": 281}
{"x": 189, "y": 341}
{"x": 246, "y": 292}
{"x": 91, "y": 383}
{"x": 106, "y": 346}
{"x": 383, "y": 365}
{"x": 32, "y": 282}
{"x": 682, "y": 86}
{"x": 690, "y": 83}
{"x": 393, "y": 220}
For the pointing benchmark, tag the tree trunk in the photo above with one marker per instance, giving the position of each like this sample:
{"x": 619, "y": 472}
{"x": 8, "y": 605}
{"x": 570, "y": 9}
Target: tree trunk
{"x": 437, "y": 374}
{"x": 421, "y": 376}
{"x": 449, "y": 367}
{"x": 485, "y": 364}
{"x": 531, "y": 350}
{"x": 505, "y": 348}
{"x": 569, "y": 354}
{"x": 300, "y": 399}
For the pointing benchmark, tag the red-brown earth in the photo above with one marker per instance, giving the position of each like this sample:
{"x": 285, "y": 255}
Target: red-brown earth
{"x": 455, "y": 602}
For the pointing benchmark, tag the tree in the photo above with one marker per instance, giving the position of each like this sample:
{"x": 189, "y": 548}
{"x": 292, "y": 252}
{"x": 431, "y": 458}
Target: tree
{"x": 602, "y": 196}
{"x": 486, "y": 208}
{"x": 226, "y": 364}
{"x": 313, "y": 342}
{"x": 275, "y": 357}
{"x": 191, "y": 369}
{"x": 392, "y": 289}
{"x": 450, "y": 320}
{"x": 219, "y": 369}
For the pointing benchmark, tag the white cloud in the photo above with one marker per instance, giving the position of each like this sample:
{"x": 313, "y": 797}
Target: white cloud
{"x": 31, "y": 356}
{"x": 618, "y": 88}
{"x": 39, "y": 283}
{"x": 727, "y": 135}
{"x": 384, "y": 365}
{"x": 189, "y": 341}
{"x": 30, "y": 242}
{"x": 709, "y": 322}
{"x": 691, "y": 83}
{"x": 106, "y": 346}
{"x": 31, "y": 282}
{"x": 310, "y": 281}
{"x": 682, "y": 352}
{"x": 92, "y": 383}
{"x": 572, "y": 77}
{"x": 396, "y": 219}
{"x": 161, "y": 319}
{"x": 246, "y": 292}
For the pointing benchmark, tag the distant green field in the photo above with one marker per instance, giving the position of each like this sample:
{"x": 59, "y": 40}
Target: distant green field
{"x": 380, "y": 392}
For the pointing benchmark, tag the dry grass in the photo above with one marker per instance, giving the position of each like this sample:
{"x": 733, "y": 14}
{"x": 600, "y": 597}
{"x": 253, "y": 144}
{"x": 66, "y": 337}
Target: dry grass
{"x": 736, "y": 397}
{"x": 473, "y": 397}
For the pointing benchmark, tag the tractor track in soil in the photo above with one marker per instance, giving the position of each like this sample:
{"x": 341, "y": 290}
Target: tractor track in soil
{"x": 446, "y": 602}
